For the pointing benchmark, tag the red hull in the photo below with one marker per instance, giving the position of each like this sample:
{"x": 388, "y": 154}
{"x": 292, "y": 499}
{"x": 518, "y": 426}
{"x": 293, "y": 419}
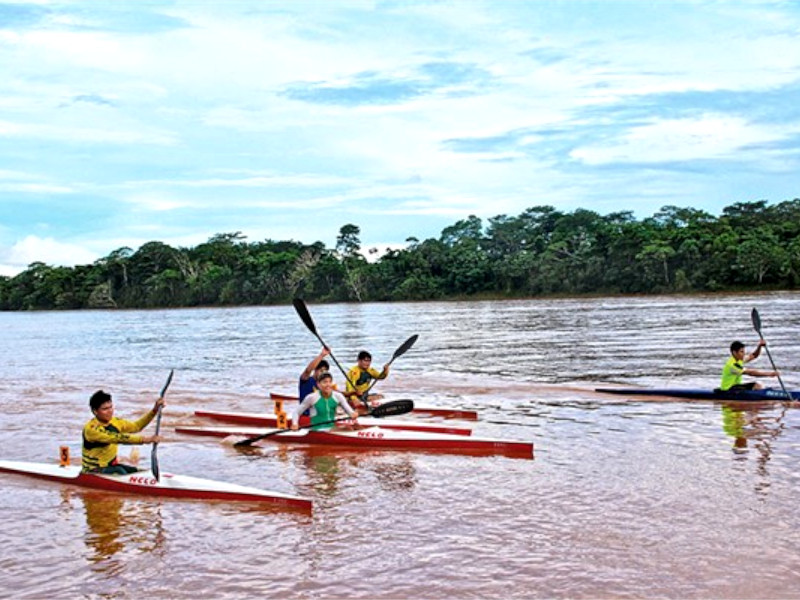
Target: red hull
{"x": 373, "y": 438}
{"x": 266, "y": 420}
{"x": 434, "y": 411}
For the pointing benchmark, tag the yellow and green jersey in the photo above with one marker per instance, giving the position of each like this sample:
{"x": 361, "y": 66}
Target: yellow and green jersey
{"x": 731, "y": 373}
{"x": 361, "y": 378}
{"x": 100, "y": 439}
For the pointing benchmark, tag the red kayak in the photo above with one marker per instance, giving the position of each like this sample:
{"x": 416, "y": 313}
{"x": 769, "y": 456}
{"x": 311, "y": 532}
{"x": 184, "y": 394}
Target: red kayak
{"x": 374, "y": 437}
{"x": 267, "y": 420}
{"x": 143, "y": 483}
{"x": 434, "y": 411}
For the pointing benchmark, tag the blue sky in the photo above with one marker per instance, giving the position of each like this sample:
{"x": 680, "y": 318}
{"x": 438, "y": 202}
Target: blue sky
{"x": 124, "y": 122}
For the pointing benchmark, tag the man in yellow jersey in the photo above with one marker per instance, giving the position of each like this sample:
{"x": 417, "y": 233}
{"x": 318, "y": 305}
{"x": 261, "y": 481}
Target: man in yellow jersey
{"x": 322, "y": 404}
{"x": 102, "y": 434}
{"x": 734, "y": 369}
{"x": 361, "y": 375}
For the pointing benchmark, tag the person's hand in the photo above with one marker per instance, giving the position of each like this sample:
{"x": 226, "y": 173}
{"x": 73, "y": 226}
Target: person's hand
{"x": 159, "y": 404}
{"x": 386, "y": 368}
{"x": 325, "y": 351}
{"x": 762, "y": 342}
{"x": 152, "y": 439}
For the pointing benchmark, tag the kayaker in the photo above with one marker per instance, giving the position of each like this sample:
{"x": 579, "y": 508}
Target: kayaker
{"x": 361, "y": 375}
{"x": 102, "y": 434}
{"x": 308, "y": 378}
{"x": 734, "y": 368}
{"x": 322, "y": 405}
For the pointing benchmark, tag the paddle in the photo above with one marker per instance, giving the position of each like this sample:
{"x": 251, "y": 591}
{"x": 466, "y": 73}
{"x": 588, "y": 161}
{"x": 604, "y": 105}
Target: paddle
{"x": 404, "y": 347}
{"x": 153, "y": 455}
{"x": 387, "y": 409}
{"x": 305, "y": 316}
{"x": 757, "y": 325}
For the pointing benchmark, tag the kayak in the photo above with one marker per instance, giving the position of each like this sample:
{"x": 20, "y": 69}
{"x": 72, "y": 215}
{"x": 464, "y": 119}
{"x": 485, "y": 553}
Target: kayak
{"x": 145, "y": 484}
{"x": 374, "y": 437}
{"x": 764, "y": 395}
{"x": 267, "y": 420}
{"x": 434, "y": 411}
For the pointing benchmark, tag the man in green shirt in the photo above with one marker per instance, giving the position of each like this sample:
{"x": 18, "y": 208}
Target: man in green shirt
{"x": 322, "y": 404}
{"x": 735, "y": 367}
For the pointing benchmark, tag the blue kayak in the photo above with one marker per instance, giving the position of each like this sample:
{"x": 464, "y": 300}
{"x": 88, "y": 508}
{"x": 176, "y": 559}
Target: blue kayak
{"x": 767, "y": 394}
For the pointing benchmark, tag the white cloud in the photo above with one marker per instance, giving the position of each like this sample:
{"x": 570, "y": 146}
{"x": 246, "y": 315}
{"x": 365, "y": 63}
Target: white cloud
{"x": 673, "y": 140}
{"x": 47, "y": 250}
{"x": 85, "y": 134}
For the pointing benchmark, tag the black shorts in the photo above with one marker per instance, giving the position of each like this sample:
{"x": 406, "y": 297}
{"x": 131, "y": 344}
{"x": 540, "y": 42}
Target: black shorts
{"x": 742, "y": 387}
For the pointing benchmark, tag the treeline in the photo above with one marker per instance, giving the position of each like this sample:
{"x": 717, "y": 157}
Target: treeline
{"x": 540, "y": 252}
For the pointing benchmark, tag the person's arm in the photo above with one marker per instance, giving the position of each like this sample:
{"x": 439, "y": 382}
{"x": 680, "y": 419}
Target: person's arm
{"x": 353, "y": 414}
{"x": 382, "y": 375}
{"x": 294, "y": 417}
{"x": 756, "y": 353}
{"x": 125, "y": 435}
{"x": 760, "y": 373}
{"x": 352, "y": 375}
{"x": 313, "y": 364}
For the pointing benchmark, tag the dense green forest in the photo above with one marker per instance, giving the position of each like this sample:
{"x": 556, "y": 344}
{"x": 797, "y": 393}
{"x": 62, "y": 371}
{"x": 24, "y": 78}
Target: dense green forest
{"x": 541, "y": 252}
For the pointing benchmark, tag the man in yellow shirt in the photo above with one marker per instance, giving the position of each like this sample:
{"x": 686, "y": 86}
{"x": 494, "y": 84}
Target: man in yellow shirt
{"x": 102, "y": 434}
{"x": 734, "y": 369}
{"x": 360, "y": 376}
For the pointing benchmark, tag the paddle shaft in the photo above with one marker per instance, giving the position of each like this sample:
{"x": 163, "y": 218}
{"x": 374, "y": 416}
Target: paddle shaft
{"x": 305, "y": 316}
{"x": 404, "y": 347}
{"x": 757, "y": 325}
{"x": 253, "y": 440}
{"x": 153, "y": 453}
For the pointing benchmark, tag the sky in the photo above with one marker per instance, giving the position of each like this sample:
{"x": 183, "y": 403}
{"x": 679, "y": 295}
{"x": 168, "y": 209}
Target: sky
{"x": 126, "y": 122}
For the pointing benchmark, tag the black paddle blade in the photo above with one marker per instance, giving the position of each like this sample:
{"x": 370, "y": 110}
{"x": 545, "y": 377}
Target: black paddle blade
{"x": 166, "y": 385}
{"x": 247, "y": 442}
{"x": 756, "y": 321}
{"x": 305, "y": 316}
{"x": 389, "y": 409}
{"x": 405, "y": 347}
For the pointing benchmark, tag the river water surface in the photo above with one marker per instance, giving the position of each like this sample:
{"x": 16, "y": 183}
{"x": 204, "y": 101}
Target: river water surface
{"x": 626, "y": 497}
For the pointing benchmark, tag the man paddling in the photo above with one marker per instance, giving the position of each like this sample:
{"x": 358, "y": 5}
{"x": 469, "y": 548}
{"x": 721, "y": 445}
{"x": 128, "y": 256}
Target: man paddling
{"x": 360, "y": 376}
{"x": 734, "y": 368}
{"x": 322, "y": 405}
{"x": 102, "y": 434}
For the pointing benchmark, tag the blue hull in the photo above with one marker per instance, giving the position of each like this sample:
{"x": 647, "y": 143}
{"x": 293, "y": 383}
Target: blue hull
{"x": 765, "y": 395}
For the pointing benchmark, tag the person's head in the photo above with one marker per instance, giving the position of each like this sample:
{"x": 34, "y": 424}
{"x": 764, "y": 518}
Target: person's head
{"x": 322, "y": 367}
{"x": 325, "y": 383}
{"x": 364, "y": 358}
{"x": 102, "y": 406}
{"x": 737, "y": 349}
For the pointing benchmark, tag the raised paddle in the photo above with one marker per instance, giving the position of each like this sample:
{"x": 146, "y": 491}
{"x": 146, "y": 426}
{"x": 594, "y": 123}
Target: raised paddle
{"x": 757, "y": 325}
{"x": 404, "y": 347}
{"x": 305, "y": 316}
{"x": 387, "y": 409}
{"x": 153, "y": 455}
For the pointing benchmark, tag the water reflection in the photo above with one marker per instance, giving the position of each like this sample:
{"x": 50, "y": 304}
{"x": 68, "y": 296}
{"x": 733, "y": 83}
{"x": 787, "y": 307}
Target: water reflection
{"x": 328, "y": 466}
{"x": 116, "y": 524}
{"x": 752, "y": 427}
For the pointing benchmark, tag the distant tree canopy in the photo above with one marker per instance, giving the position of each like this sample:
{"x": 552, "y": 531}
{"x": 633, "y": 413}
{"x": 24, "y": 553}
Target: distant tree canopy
{"x": 540, "y": 252}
